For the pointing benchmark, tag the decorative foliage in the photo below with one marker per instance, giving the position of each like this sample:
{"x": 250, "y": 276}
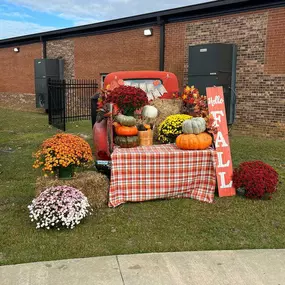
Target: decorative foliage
{"x": 171, "y": 127}
{"x": 192, "y": 141}
{"x": 128, "y": 98}
{"x": 103, "y": 109}
{"x": 62, "y": 150}
{"x": 57, "y": 207}
{"x": 196, "y": 105}
{"x": 256, "y": 178}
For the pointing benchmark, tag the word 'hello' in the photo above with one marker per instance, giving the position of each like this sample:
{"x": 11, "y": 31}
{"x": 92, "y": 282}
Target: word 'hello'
{"x": 218, "y": 100}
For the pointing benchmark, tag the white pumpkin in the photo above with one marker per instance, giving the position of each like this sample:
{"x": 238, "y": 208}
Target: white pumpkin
{"x": 149, "y": 112}
{"x": 194, "y": 126}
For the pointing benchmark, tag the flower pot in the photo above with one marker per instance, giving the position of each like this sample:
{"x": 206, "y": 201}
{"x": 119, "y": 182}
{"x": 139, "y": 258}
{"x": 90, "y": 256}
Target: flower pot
{"x": 240, "y": 191}
{"x": 146, "y": 137}
{"x": 65, "y": 172}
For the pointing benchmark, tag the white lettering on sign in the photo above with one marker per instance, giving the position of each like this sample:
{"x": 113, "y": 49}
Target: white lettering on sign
{"x": 224, "y": 169}
{"x": 217, "y": 101}
{"x": 223, "y": 181}
{"x": 220, "y": 139}
{"x": 217, "y": 118}
{"x": 220, "y": 160}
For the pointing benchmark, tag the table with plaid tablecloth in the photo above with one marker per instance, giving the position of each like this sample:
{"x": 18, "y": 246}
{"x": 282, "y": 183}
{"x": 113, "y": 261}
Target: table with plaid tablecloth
{"x": 161, "y": 171}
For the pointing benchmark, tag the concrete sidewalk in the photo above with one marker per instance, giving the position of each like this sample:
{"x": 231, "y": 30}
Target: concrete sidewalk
{"x": 248, "y": 267}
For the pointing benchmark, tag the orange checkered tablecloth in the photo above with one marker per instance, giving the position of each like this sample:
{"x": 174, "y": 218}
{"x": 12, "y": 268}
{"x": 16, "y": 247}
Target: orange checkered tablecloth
{"x": 161, "y": 171}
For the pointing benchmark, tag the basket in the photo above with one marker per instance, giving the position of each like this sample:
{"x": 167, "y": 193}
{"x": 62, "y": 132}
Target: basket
{"x": 146, "y": 137}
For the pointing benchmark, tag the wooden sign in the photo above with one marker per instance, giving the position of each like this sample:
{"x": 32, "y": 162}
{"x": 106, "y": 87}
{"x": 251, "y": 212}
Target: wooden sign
{"x": 224, "y": 168}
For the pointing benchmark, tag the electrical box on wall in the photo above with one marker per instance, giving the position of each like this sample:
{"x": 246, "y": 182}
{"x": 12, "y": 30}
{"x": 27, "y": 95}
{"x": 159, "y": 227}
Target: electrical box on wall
{"x": 214, "y": 65}
{"x": 46, "y": 69}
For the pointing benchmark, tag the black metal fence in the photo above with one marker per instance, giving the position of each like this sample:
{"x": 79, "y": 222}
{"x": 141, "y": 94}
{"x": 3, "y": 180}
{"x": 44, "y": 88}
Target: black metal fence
{"x": 70, "y": 100}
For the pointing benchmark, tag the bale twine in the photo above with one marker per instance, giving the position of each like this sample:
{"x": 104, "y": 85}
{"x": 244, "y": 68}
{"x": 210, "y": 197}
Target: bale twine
{"x": 166, "y": 107}
{"x": 94, "y": 185}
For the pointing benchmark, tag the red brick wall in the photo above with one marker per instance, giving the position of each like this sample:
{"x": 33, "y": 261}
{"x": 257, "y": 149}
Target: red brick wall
{"x": 260, "y": 38}
{"x": 174, "y": 49}
{"x": 260, "y": 105}
{"x": 127, "y": 50}
{"x": 63, "y": 49}
{"x": 17, "y": 69}
{"x": 275, "y": 44}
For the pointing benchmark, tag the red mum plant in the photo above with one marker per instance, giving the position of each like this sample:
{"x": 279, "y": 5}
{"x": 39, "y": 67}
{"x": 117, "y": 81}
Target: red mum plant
{"x": 127, "y": 98}
{"x": 256, "y": 178}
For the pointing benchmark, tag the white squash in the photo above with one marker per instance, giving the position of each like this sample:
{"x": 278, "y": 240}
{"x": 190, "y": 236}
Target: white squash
{"x": 194, "y": 126}
{"x": 149, "y": 112}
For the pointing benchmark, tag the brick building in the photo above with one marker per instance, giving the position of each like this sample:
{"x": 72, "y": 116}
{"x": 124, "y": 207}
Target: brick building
{"x": 91, "y": 51}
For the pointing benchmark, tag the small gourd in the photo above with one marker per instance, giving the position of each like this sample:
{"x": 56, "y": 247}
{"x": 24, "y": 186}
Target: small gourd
{"x": 194, "y": 142}
{"x": 149, "y": 112}
{"x": 124, "y": 141}
{"x": 124, "y": 130}
{"x": 124, "y": 120}
{"x": 147, "y": 126}
{"x": 194, "y": 126}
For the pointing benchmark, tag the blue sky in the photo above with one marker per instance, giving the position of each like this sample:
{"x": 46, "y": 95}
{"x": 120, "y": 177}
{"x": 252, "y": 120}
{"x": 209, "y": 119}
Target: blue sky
{"x": 22, "y": 17}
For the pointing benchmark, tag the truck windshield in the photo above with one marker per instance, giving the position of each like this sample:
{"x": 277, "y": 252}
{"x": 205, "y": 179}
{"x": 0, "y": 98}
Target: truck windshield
{"x": 153, "y": 87}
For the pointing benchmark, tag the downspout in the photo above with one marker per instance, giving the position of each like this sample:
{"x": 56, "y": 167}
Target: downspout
{"x": 161, "y": 43}
{"x": 44, "y": 47}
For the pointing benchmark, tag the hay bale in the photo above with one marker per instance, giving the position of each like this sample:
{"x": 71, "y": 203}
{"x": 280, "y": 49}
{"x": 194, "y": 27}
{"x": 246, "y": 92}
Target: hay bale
{"x": 94, "y": 185}
{"x": 166, "y": 107}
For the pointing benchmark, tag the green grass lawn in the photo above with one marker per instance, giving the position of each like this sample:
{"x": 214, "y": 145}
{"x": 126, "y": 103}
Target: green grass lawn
{"x": 155, "y": 226}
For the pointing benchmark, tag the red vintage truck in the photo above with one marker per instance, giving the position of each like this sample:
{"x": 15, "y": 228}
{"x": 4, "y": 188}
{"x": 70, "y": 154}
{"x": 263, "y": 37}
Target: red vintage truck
{"x": 156, "y": 84}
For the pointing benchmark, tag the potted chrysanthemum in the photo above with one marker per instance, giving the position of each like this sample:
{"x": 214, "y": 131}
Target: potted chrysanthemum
{"x": 61, "y": 153}
{"x": 255, "y": 180}
{"x": 59, "y": 207}
{"x": 127, "y": 98}
{"x": 171, "y": 128}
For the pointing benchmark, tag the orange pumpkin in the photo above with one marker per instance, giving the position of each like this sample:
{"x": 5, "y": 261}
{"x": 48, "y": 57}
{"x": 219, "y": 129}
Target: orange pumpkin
{"x": 192, "y": 141}
{"x": 125, "y": 131}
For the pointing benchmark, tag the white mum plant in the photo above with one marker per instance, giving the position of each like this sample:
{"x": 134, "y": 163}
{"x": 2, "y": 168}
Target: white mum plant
{"x": 57, "y": 207}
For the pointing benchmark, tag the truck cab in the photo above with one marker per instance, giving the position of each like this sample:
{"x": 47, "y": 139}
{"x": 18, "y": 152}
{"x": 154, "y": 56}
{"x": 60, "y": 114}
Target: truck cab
{"x": 156, "y": 84}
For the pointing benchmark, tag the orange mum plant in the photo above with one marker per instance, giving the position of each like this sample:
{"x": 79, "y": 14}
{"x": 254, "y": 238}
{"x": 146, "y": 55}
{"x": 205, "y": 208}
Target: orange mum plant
{"x": 62, "y": 150}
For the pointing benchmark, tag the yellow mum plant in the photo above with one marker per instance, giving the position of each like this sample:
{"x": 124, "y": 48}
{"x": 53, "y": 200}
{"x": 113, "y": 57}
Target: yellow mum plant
{"x": 171, "y": 127}
{"x": 62, "y": 150}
